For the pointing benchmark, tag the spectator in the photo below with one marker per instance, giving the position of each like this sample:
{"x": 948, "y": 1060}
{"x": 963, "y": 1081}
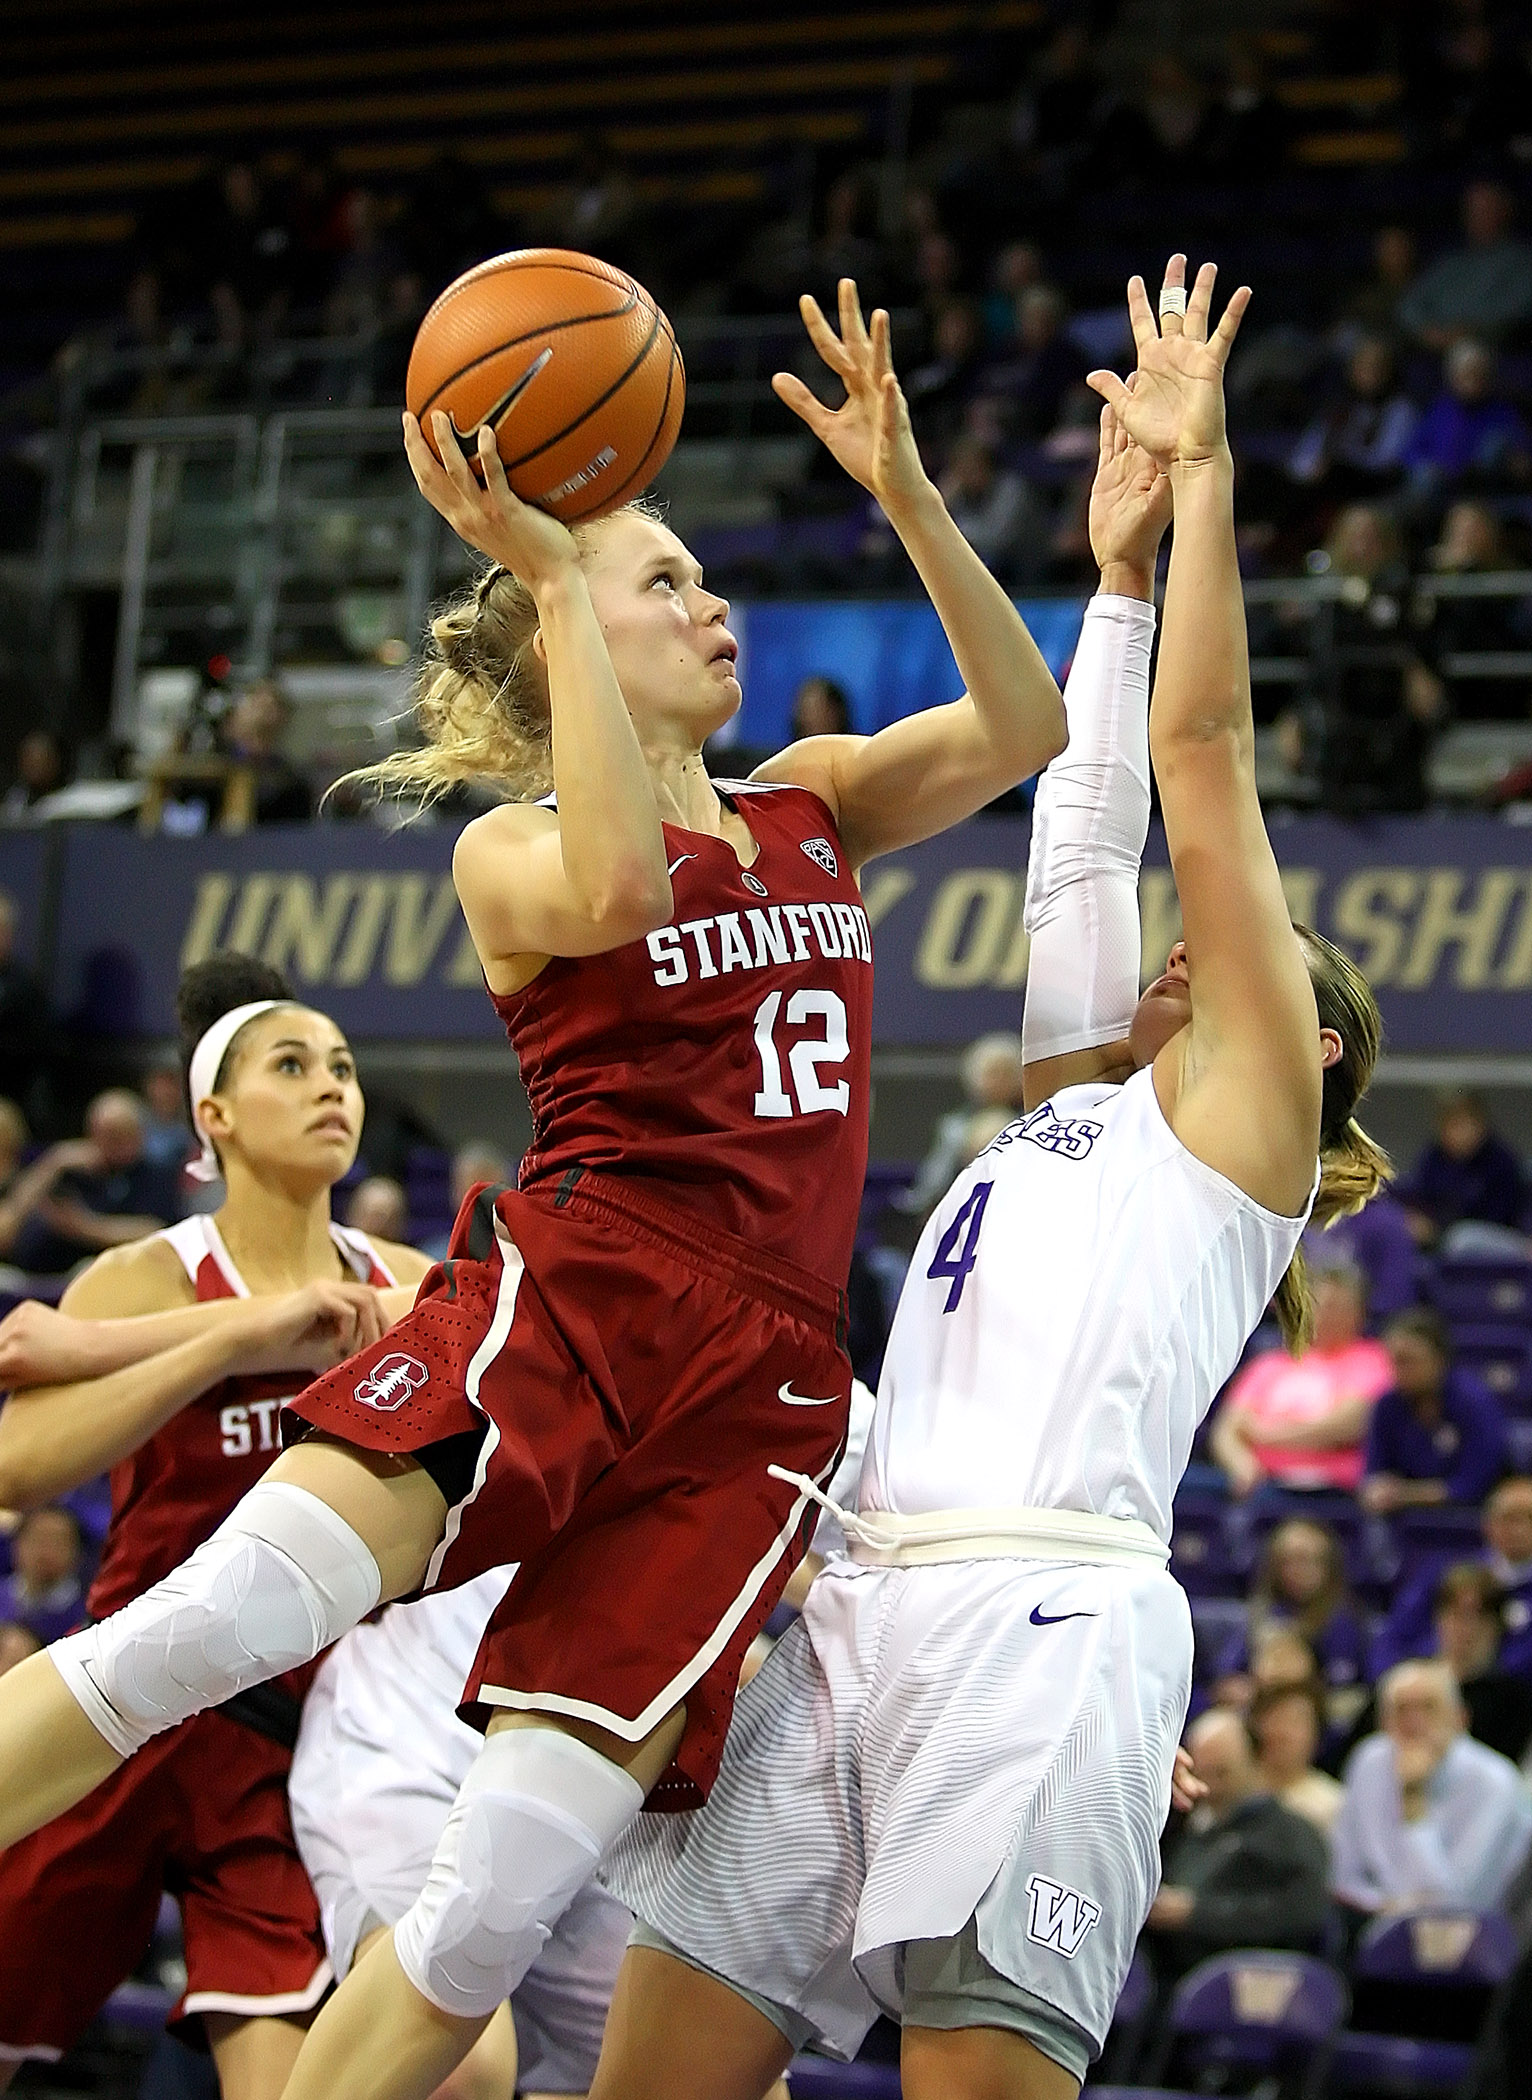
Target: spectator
{"x": 473, "y": 1163}
{"x": 1378, "y": 1241}
{"x": 992, "y": 507}
{"x": 44, "y": 1591}
{"x": 1507, "y": 1527}
{"x": 1372, "y": 701}
{"x": 1482, "y": 288}
{"x": 379, "y": 1207}
{"x": 1301, "y": 1588}
{"x": 16, "y": 1644}
{"x": 1467, "y": 1178}
{"x": 23, "y": 1189}
{"x": 1244, "y": 1871}
{"x": 39, "y": 773}
{"x": 25, "y": 1023}
{"x": 1470, "y": 1621}
{"x": 992, "y": 1079}
{"x": 938, "y": 390}
{"x": 1357, "y": 447}
{"x": 820, "y": 708}
{"x": 1038, "y": 367}
{"x": 1300, "y": 1422}
{"x": 107, "y": 1198}
{"x": 1471, "y": 544}
{"x": 1437, "y": 1434}
{"x": 1373, "y": 305}
{"x": 167, "y": 1136}
{"x": 1429, "y": 1815}
{"x": 253, "y": 732}
{"x": 1470, "y": 436}
{"x": 1287, "y": 1723}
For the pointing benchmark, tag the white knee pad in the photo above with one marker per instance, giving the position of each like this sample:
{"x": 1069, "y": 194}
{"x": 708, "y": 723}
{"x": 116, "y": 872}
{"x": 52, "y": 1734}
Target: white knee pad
{"x": 527, "y": 1831}
{"x": 281, "y": 1578}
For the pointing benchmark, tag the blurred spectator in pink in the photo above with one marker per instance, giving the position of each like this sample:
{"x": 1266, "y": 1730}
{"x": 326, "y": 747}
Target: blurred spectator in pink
{"x": 1465, "y": 1180}
{"x": 45, "y": 1591}
{"x": 1301, "y": 1422}
{"x": 1437, "y": 1434}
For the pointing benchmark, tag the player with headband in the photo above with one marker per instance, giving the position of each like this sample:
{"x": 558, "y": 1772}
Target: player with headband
{"x": 169, "y": 1363}
{"x": 621, "y": 1360}
{"x": 944, "y": 1793}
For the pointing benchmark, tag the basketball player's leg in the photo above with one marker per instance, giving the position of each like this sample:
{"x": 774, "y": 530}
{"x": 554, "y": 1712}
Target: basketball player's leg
{"x": 488, "y": 2071}
{"x": 675, "y": 2030}
{"x": 254, "y": 2058}
{"x": 544, "y": 1801}
{"x": 979, "y": 2063}
{"x": 330, "y": 1532}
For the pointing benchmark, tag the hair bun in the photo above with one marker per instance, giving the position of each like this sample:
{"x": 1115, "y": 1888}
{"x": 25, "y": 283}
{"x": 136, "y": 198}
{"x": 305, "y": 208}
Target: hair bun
{"x": 211, "y": 988}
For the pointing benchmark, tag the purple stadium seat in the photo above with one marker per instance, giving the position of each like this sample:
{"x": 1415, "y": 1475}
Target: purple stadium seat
{"x": 1261, "y": 2010}
{"x": 818, "y": 2077}
{"x": 1446, "y": 1532}
{"x": 1215, "y": 1622}
{"x": 1201, "y": 1558}
{"x": 1502, "y": 1357}
{"x": 1487, "y": 1291}
{"x": 1425, "y": 1951}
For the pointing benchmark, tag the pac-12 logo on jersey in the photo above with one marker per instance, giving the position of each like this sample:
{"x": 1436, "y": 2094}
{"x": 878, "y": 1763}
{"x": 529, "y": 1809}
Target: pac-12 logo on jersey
{"x": 390, "y": 1383}
{"x": 822, "y": 854}
{"x": 1058, "y": 1916}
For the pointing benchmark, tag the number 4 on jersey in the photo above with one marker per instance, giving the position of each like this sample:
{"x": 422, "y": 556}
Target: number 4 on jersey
{"x": 958, "y": 1248}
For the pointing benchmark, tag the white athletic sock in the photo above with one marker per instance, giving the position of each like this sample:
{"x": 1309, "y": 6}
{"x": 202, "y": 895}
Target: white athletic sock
{"x": 280, "y": 1579}
{"x": 1089, "y": 823}
{"x": 527, "y": 1831}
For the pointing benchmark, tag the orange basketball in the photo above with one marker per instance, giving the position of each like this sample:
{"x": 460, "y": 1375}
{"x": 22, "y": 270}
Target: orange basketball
{"x": 572, "y": 365}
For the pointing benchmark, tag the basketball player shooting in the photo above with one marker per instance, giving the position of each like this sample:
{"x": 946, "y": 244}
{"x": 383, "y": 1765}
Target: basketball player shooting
{"x": 630, "y": 1365}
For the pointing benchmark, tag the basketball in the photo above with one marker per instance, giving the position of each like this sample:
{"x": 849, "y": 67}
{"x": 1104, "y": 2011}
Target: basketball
{"x": 572, "y": 365}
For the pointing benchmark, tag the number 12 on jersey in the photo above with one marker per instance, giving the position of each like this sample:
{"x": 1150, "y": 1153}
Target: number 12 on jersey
{"x": 958, "y": 1248}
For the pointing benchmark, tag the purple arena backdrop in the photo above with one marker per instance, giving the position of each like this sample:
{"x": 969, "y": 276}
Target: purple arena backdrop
{"x": 1437, "y": 911}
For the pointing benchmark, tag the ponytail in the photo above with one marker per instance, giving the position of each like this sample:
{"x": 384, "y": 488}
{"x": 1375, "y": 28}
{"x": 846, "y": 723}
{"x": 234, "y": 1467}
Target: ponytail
{"x": 1352, "y": 1166}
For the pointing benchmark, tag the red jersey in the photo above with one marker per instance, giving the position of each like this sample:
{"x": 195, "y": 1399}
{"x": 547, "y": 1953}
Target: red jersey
{"x": 177, "y": 1488}
{"x": 722, "y": 1063}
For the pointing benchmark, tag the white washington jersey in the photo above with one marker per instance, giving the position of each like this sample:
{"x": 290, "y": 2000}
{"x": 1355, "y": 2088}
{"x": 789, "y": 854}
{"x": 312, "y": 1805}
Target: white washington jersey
{"x": 1075, "y": 1303}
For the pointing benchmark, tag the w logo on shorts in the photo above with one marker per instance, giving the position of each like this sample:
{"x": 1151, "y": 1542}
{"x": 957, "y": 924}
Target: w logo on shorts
{"x": 1058, "y": 1917}
{"x": 822, "y": 854}
{"x": 390, "y": 1383}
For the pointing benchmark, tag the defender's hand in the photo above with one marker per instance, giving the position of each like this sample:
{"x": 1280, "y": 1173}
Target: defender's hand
{"x": 1175, "y": 408}
{"x": 870, "y": 434}
{"x": 1129, "y": 502}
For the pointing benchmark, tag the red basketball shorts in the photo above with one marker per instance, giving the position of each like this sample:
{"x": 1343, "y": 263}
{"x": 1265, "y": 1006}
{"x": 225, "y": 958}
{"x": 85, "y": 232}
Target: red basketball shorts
{"x": 624, "y": 1378}
{"x": 200, "y": 1813}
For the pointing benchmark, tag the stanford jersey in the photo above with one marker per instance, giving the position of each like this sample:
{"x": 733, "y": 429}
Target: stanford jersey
{"x": 721, "y": 1064}
{"x": 176, "y": 1489}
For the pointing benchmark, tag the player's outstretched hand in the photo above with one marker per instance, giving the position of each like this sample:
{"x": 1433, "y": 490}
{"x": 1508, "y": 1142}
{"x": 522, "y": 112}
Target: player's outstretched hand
{"x": 1175, "y": 408}
{"x": 1186, "y": 1789}
{"x": 1129, "y": 500}
{"x": 870, "y": 433}
{"x": 488, "y": 516}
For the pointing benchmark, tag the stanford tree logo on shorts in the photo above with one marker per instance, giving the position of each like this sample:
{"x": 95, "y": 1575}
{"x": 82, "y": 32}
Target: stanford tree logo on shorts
{"x": 391, "y": 1382}
{"x": 1059, "y": 1917}
{"x": 822, "y": 854}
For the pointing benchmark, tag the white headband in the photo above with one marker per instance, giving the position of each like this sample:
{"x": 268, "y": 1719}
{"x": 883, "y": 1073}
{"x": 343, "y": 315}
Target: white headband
{"x": 202, "y": 1076}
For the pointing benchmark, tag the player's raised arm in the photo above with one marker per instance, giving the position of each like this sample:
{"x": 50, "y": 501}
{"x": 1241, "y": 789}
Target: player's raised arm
{"x": 931, "y": 770}
{"x": 1091, "y": 813}
{"x": 1243, "y": 1083}
{"x": 593, "y": 877}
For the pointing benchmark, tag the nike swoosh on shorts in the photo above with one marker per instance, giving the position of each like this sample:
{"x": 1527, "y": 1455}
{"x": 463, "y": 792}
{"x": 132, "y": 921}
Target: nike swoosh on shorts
{"x": 1043, "y": 1618}
{"x": 785, "y": 1392}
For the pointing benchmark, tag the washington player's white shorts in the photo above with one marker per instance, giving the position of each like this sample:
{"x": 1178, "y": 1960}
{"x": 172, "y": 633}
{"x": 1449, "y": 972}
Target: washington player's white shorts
{"x": 372, "y": 1782}
{"x": 988, "y": 1741}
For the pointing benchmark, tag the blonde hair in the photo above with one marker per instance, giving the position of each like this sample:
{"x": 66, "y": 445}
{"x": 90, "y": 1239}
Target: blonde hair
{"x": 481, "y": 699}
{"x": 1352, "y": 1168}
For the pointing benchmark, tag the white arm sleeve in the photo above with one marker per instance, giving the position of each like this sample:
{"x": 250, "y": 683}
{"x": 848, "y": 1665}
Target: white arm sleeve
{"x": 1089, "y": 824}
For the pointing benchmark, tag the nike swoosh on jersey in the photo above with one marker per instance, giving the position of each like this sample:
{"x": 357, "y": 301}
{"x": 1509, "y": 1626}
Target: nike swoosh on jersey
{"x": 676, "y": 863}
{"x": 785, "y": 1392}
{"x": 506, "y": 402}
{"x": 1044, "y": 1618}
